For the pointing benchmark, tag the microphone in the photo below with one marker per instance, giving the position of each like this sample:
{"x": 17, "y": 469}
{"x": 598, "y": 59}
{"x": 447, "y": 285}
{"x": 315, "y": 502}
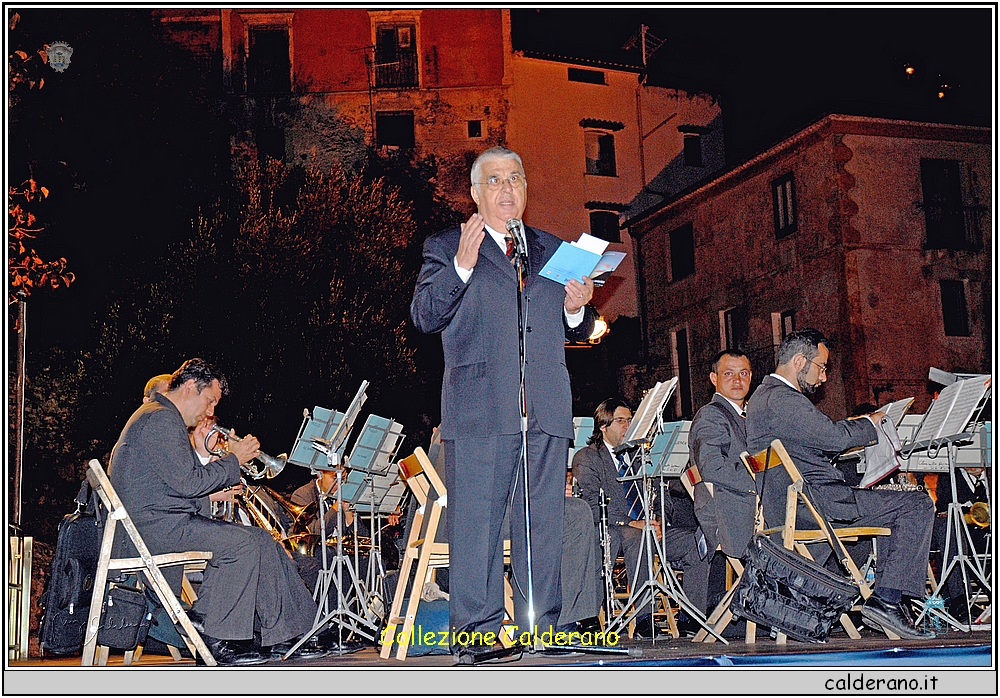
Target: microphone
{"x": 516, "y": 228}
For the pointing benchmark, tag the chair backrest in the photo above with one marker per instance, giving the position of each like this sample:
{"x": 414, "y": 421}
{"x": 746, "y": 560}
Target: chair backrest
{"x": 691, "y": 477}
{"x": 419, "y": 474}
{"x": 101, "y": 484}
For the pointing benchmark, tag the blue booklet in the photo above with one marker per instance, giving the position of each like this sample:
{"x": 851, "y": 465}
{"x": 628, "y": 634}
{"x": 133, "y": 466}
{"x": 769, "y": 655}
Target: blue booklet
{"x": 575, "y": 261}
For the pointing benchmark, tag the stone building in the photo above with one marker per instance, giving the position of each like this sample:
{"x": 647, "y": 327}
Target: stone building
{"x": 446, "y": 84}
{"x": 876, "y": 232}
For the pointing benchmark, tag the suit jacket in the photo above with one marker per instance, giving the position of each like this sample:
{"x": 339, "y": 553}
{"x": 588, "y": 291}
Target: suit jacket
{"x": 479, "y": 333}
{"x": 158, "y": 475}
{"x": 594, "y": 468}
{"x": 718, "y": 436}
{"x": 778, "y": 411}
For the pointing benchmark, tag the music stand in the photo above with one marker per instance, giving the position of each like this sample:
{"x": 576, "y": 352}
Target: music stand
{"x": 320, "y": 446}
{"x": 951, "y": 420}
{"x": 370, "y": 459}
{"x": 328, "y": 428}
{"x": 646, "y": 423}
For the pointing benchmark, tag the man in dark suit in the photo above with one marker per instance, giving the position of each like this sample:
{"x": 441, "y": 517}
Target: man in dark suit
{"x": 250, "y": 585}
{"x": 468, "y": 291}
{"x": 780, "y": 409}
{"x": 718, "y": 437}
{"x": 595, "y": 468}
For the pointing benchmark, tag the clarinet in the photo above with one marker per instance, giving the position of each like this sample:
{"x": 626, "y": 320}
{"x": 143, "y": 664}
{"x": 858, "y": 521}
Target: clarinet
{"x": 608, "y": 564}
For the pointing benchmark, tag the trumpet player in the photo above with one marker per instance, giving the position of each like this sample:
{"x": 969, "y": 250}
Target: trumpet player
{"x": 251, "y": 588}
{"x": 200, "y": 435}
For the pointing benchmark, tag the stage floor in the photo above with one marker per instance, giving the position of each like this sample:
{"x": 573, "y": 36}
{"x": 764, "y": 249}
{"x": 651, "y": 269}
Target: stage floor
{"x": 956, "y": 649}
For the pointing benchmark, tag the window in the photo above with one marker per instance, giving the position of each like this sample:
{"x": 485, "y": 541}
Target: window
{"x": 944, "y": 214}
{"x": 782, "y": 325}
{"x": 683, "y": 362}
{"x": 595, "y": 77}
{"x": 268, "y": 64}
{"x": 682, "y": 252}
{"x": 604, "y": 224}
{"x": 600, "y": 150}
{"x": 783, "y": 190}
{"x": 954, "y": 309}
{"x": 394, "y": 128}
{"x": 692, "y": 150}
{"x": 396, "y": 55}
{"x": 475, "y": 129}
{"x": 732, "y": 328}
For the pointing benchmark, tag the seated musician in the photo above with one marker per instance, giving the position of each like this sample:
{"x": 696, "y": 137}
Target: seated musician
{"x": 250, "y": 586}
{"x": 594, "y": 467}
{"x": 718, "y": 437}
{"x": 780, "y": 409}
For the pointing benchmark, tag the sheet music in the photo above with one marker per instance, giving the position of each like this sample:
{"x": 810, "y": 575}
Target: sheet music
{"x": 649, "y": 410}
{"x": 895, "y": 411}
{"x": 967, "y": 455}
{"x": 949, "y": 415}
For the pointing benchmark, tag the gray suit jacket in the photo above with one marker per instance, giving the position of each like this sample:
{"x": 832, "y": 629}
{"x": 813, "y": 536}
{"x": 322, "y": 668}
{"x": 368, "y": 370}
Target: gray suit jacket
{"x": 478, "y": 326}
{"x": 718, "y": 436}
{"x": 778, "y": 411}
{"x": 594, "y": 468}
{"x": 158, "y": 476}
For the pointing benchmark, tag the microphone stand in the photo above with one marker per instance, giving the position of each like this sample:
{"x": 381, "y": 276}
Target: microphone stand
{"x": 520, "y": 264}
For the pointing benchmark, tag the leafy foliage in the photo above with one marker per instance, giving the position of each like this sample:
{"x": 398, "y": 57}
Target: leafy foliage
{"x": 26, "y": 268}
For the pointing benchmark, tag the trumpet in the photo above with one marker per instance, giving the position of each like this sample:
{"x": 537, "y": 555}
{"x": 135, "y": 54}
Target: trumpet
{"x": 978, "y": 515}
{"x": 269, "y": 465}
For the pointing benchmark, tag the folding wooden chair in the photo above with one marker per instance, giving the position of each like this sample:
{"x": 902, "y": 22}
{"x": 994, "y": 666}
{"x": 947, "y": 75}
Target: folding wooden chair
{"x": 423, "y": 547}
{"x": 150, "y": 567}
{"x": 794, "y": 538}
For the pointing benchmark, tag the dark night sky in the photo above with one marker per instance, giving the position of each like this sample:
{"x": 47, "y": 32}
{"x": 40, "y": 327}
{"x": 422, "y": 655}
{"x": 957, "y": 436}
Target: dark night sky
{"x": 774, "y": 71}
{"x": 777, "y": 70}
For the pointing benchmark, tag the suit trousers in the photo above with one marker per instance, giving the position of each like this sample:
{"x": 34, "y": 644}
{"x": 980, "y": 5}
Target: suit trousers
{"x": 580, "y": 564}
{"x": 483, "y": 479}
{"x": 249, "y": 574}
{"x": 901, "y": 562}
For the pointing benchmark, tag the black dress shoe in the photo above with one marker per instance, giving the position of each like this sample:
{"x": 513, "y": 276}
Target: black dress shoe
{"x": 197, "y": 620}
{"x": 473, "y": 655}
{"x": 231, "y": 653}
{"x": 588, "y": 625}
{"x": 890, "y": 616}
{"x": 329, "y": 640}
{"x": 310, "y": 649}
{"x": 645, "y": 629}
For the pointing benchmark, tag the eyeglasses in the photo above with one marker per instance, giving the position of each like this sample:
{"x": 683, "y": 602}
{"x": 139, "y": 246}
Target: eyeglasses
{"x": 494, "y": 182}
{"x": 622, "y": 420}
{"x": 821, "y": 367}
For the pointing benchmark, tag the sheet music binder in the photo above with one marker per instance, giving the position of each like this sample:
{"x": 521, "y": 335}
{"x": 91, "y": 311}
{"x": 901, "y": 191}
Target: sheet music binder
{"x": 669, "y": 454}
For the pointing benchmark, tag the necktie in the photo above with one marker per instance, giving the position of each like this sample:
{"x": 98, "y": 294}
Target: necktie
{"x": 631, "y": 490}
{"x": 510, "y": 246}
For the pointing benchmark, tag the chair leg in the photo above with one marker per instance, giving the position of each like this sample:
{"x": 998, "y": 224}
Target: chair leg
{"x": 102, "y": 655}
{"x": 97, "y": 597}
{"x": 423, "y": 563}
{"x": 389, "y": 636}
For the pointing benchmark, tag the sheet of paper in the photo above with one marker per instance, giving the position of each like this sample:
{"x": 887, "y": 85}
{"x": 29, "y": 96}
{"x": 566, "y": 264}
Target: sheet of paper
{"x": 591, "y": 244}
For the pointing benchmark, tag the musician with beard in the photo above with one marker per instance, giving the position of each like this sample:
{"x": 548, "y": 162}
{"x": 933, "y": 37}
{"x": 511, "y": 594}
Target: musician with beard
{"x": 780, "y": 409}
